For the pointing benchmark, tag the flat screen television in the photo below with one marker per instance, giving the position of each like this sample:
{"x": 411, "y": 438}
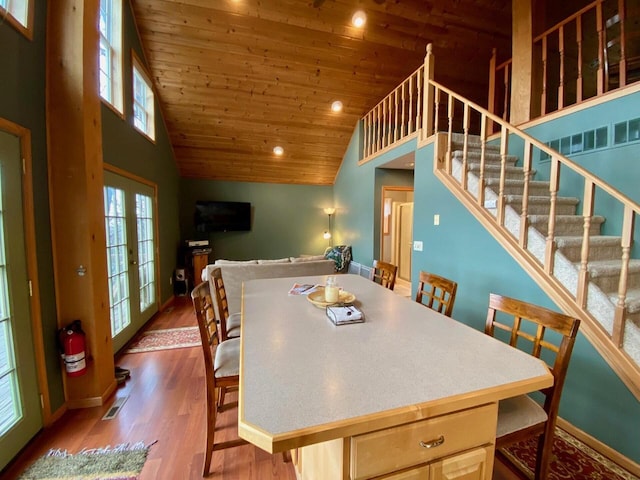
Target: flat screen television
{"x": 212, "y": 216}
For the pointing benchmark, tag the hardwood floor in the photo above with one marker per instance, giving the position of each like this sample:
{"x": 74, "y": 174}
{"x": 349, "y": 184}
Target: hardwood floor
{"x": 166, "y": 405}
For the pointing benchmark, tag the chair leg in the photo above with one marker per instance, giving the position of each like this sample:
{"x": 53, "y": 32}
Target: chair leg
{"x": 543, "y": 456}
{"x": 211, "y": 427}
{"x": 221, "y": 393}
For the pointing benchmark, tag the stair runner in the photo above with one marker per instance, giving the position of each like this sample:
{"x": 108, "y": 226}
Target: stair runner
{"x": 605, "y": 252}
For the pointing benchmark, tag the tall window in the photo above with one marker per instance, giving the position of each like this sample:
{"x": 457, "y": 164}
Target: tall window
{"x": 19, "y": 13}
{"x": 110, "y": 61}
{"x": 143, "y": 100}
{"x": 10, "y": 409}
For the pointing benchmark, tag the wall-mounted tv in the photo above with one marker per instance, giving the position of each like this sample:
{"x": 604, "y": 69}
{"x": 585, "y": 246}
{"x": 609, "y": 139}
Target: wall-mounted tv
{"x": 212, "y": 216}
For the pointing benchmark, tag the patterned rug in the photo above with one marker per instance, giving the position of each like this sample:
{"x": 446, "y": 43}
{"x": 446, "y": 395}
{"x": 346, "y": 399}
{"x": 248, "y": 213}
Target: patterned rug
{"x": 571, "y": 460}
{"x": 122, "y": 462}
{"x": 166, "y": 339}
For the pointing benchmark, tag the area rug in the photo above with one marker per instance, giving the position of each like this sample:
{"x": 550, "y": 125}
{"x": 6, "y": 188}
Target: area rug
{"x": 571, "y": 460}
{"x": 166, "y": 339}
{"x": 122, "y": 462}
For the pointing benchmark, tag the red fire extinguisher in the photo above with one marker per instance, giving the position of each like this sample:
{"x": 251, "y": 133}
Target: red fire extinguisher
{"x": 73, "y": 345}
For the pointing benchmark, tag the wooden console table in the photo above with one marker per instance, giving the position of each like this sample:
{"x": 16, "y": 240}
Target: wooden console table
{"x": 409, "y": 393}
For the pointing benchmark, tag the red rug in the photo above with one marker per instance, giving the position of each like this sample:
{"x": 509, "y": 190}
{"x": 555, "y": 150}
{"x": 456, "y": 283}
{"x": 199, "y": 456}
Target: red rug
{"x": 571, "y": 460}
{"x": 166, "y": 339}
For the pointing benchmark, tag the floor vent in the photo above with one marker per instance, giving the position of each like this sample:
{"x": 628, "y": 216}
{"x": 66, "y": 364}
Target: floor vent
{"x": 115, "y": 408}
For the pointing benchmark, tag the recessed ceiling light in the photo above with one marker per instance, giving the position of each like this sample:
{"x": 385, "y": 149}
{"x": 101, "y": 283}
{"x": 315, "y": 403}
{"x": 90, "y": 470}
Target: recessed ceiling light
{"x": 278, "y": 150}
{"x": 336, "y": 106}
{"x": 359, "y": 19}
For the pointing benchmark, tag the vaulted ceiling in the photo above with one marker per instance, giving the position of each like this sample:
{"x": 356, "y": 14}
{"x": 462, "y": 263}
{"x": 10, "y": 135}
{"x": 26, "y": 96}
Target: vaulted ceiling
{"x": 237, "y": 77}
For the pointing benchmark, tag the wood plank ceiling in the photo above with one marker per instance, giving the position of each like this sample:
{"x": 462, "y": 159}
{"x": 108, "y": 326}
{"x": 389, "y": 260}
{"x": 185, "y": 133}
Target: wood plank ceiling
{"x": 235, "y": 78}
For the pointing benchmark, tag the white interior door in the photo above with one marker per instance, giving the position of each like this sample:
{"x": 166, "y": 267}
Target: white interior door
{"x": 20, "y": 411}
{"x": 405, "y": 240}
{"x": 131, "y": 255}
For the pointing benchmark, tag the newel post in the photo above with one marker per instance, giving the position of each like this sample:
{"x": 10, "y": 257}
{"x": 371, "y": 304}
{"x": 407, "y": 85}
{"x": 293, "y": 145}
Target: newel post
{"x": 428, "y": 97}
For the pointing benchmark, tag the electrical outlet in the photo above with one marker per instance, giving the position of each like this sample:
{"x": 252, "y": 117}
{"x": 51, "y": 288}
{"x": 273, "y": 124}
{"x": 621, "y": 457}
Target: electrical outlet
{"x": 417, "y": 245}
{"x": 436, "y": 219}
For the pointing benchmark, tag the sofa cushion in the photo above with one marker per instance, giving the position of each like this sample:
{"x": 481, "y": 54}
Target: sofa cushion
{"x": 307, "y": 258}
{"x": 277, "y": 260}
{"x": 234, "y": 262}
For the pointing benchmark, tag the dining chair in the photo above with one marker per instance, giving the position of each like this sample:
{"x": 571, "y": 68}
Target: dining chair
{"x": 521, "y": 417}
{"x": 384, "y": 274}
{"x": 229, "y": 324}
{"x": 222, "y": 368}
{"x": 436, "y": 292}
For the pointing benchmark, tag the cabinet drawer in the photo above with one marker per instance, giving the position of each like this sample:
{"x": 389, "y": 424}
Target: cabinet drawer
{"x": 395, "y": 448}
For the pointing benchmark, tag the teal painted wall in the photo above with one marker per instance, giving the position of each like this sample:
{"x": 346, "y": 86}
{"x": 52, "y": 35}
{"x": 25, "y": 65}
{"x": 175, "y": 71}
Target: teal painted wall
{"x": 124, "y": 147}
{"x": 287, "y": 220}
{"x": 357, "y": 198}
{"x": 594, "y": 398}
{"x": 22, "y": 101}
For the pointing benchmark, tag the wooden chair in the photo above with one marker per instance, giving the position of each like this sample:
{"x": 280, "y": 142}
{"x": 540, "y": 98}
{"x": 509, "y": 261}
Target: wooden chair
{"x": 222, "y": 368}
{"x": 521, "y": 417}
{"x": 384, "y": 274}
{"x": 229, "y": 323}
{"x": 436, "y": 292}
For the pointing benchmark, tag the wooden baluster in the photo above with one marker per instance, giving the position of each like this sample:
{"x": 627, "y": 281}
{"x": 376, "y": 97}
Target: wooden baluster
{"x": 436, "y": 104}
{"x": 601, "y": 47}
{"x": 554, "y": 182}
{"x": 524, "y": 214}
{"x": 465, "y": 147}
{"x": 428, "y": 97}
{"x": 385, "y": 124}
{"x": 365, "y": 136}
{"x": 587, "y": 215}
{"x": 543, "y": 99}
{"x": 561, "y": 79}
{"x": 504, "y": 150}
{"x": 507, "y": 90}
{"x": 579, "y": 80}
{"x": 622, "y": 66}
{"x": 450, "y": 116}
{"x": 491, "y": 101}
{"x": 621, "y": 310}
{"x": 390, "y": 120}
{"x": 403, "y": 129}
{"x": 376, "y": 132}
{"x": 419, "y": 86}
{"x": 484, "y": 128}
{"x": 411, "y": 124}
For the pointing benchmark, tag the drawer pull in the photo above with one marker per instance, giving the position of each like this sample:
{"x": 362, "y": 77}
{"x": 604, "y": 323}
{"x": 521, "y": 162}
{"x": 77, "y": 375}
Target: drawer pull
{"x": 433, "y": 443}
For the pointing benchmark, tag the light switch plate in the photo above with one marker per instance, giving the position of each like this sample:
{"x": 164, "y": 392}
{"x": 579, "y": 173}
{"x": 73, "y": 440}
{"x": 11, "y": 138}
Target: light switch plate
{"x": 436, "y": 219}
{"x": 417, "y": 245}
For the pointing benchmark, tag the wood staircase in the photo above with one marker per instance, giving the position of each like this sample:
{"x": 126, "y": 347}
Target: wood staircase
{"x": 484, "y": 164}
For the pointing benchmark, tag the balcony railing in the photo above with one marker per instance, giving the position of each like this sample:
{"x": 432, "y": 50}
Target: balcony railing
{"x": 595, "y": 50}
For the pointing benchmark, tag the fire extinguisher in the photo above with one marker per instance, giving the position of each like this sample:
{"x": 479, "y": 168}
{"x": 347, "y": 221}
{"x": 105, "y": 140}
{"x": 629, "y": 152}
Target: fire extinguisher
{"x": 73, "y": 347}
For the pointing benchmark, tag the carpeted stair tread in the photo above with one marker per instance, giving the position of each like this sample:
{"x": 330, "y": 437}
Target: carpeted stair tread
{"x": 489, "y": 157}
{"x": 595, "y": 240}
{"x": 596, "y": 219}
{"x": 632, "y": 300}
{"x": 566, "y": 225}
{"x": 541, "y": 199}
{"x": 495, "y": 169}
{"x": 473, "y": 142}
{"x": 605, "y": 268}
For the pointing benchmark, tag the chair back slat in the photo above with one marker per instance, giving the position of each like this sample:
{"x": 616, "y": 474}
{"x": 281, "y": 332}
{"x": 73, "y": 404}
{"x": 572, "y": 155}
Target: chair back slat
{"x": 436, "y": 292}
{"x": 221, "y": 303}
{"x": 201, "y": 298}
{"x": 384, "y": 273}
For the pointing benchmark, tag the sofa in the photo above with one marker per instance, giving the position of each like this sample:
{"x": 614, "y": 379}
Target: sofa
{"x": 235, "y": 272}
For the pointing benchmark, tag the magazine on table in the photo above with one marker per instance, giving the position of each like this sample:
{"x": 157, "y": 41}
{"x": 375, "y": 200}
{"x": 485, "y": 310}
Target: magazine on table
{"x": 303, "y": 288}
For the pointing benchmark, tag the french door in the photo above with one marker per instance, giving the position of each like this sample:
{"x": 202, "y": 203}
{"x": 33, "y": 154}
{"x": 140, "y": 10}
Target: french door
{"x": 130, "y": 226}
{"x": 20, "y": 411}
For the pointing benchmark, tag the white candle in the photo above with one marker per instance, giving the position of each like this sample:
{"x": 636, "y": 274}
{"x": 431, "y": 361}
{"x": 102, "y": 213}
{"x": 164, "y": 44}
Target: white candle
{"x": 331, "y": 294}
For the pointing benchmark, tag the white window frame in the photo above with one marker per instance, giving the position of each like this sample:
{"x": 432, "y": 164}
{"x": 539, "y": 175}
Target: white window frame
{"x": 19, "y": 14}
{"x": 111, "y": 41}
{"x": 143, "y": 118}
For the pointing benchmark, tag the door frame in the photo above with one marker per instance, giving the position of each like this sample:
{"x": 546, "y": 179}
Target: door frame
{"x": 385, "y": 189}
{"x": 156, "y": 223}
{"x": 24, "y": 135}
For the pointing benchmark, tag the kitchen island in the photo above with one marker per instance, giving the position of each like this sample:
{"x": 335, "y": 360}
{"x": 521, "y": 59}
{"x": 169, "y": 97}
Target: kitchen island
{"x": 409, "y": 393}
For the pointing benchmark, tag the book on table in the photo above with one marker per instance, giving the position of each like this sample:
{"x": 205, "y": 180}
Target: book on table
{"x": 302, "y": 288}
